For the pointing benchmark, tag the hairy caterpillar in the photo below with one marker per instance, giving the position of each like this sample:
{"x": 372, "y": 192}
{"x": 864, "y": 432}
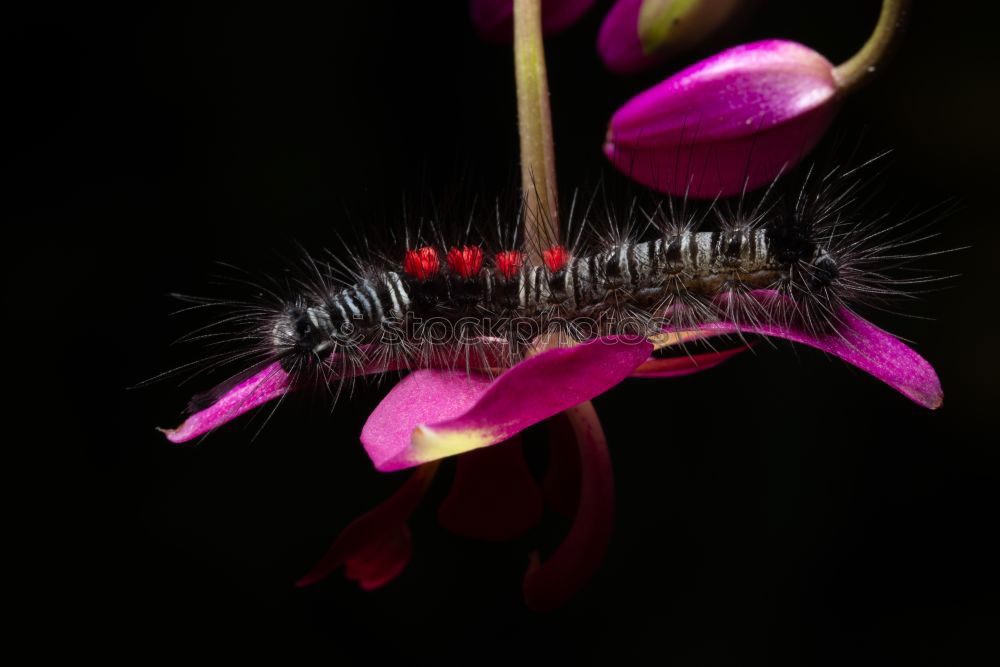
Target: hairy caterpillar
{"x": 448, "y": 305}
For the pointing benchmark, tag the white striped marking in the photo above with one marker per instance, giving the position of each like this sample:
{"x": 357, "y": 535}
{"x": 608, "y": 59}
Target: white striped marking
{"x": 390, "y": 283}
{"x": 343, "y": 313}
{"x": 363, "y": 299}
{"x": 570, "y": 288}
{"x": 351, "y": 305}
{"x": 374, "y": 295}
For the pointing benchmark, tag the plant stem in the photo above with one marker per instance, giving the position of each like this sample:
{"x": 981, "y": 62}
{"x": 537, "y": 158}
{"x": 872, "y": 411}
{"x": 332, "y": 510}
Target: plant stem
{"x": 859, "y": 68}
{"x": 541, "y": 229}
{"x": 534, "y": 122}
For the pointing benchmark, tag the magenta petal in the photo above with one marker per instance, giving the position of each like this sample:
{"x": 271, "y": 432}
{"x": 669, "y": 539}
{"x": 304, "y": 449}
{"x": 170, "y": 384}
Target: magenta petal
{"x": 684, "y": 365}
{"x": 494, "y": 497}
{"x": 432, "y": 414}
{"x": 260, "y": 388}
{"x": 422, "y": 397}
{"x": 494, "y": 19}
{"x": 375, "y": 547}
{"x": 745, "y": 113}
{"x": 551, "y": 584}
{"x": 618, "y": 40}
{"x": 272, "y": 382}
{"x": 858, "y": 342}
{"x": 741, "y": 90}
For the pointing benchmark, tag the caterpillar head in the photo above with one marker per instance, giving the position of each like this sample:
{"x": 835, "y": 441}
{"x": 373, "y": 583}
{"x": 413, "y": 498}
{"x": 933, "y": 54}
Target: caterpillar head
{"x": 306, "y": 334}
{"x": 823, "y": 270}
{"x": 794, "y": 241}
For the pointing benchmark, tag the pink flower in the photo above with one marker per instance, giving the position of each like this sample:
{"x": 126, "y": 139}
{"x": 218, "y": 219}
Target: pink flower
{"x": 437, "y": 413}
{"x": 730, "y": 122}
{"x": 637, "y": 34}
{"x": 494, "y": 19}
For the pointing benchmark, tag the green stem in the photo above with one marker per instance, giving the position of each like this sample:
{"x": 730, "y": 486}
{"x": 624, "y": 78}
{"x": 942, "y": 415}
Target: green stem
{"x": 859, "y": 69}
{"x": 534, "y": 122}
{"x": 541, "y": 229}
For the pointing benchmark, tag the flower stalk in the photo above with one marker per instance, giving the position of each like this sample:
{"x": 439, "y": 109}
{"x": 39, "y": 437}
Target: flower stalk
{"x": 534, "y": 122}
{"x": 859, "y": 68}
{"x": 550, "y": 584}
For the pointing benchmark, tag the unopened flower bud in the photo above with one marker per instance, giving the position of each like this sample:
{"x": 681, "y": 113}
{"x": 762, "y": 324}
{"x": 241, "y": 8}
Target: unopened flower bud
{"x": 733, "y": 121}
{"x": 637, "y": 34}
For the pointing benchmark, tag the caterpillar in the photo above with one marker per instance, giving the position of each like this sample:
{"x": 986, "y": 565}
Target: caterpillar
{"x": 686, "y": 269}
{"x": 445, "y": 305}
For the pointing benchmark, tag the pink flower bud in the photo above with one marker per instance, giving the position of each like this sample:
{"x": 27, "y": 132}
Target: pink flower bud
{"x": 637, "y": 34}
{"x": 733, "y": 121}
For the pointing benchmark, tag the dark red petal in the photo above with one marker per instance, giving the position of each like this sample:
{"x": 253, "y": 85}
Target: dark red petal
{"x": 494, "y": 497}
{"x": 382, "y": 560}
{"x": 551, "y": 584}
{"x": 372, "y": 546}
{"x": 686, "y": 364}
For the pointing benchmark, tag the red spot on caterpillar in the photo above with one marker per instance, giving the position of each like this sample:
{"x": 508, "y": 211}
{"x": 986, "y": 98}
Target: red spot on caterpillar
{"x": 467, "y": 261}
{"x": 421, "y": 263}
{"x": 509, "y": 262}
{"x": 555, "y": 257}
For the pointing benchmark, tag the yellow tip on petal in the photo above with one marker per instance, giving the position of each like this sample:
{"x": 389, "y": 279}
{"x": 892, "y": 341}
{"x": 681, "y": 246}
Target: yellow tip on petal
{"x": 664, "y": 340}
{"x": 430, "y": 445}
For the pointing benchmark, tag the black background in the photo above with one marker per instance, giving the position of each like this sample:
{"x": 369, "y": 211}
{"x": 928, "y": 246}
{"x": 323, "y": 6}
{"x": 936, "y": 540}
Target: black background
{"x": 784, "y": 507}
